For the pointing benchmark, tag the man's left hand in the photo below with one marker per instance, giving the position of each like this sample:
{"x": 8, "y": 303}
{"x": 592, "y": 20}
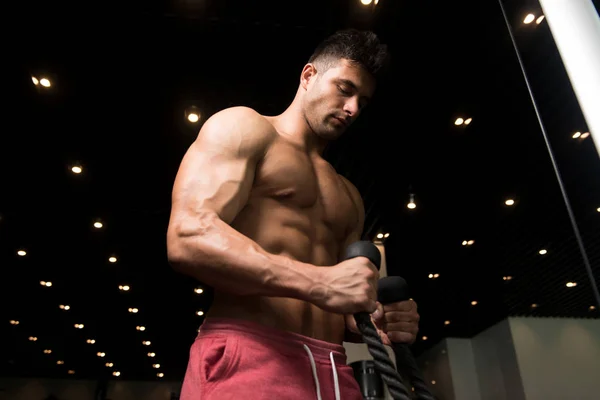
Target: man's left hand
{"x": 395, "y": 322}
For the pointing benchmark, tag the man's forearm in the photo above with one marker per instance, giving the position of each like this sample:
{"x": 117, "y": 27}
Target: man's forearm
{"x": 229, "y": 261}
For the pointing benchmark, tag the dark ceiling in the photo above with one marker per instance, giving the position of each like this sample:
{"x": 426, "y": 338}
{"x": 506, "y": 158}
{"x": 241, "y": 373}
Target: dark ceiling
{"x": 121, "y": 81}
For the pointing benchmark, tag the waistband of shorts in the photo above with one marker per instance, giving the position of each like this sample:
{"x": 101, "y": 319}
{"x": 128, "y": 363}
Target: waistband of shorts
{"x": 284, "y": 341}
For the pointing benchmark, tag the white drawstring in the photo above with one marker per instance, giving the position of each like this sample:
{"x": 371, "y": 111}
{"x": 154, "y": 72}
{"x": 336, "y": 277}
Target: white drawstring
{"x": 335, "y": 377}
{"x": 316, "y": 378}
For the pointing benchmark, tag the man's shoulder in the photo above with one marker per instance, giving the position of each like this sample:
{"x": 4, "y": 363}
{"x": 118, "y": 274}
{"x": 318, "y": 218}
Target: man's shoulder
{"x": 241, "y": 124}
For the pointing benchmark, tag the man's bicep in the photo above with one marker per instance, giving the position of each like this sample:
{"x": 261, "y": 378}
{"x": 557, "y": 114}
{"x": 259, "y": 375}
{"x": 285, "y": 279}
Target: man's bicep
{"x": 217, "y": 172}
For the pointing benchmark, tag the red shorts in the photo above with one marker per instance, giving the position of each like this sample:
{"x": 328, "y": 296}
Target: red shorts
{"x": 233, "y": 359}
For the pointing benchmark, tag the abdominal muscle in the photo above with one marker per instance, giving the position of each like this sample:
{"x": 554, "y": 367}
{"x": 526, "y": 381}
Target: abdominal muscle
{"x": 290, "y": 233}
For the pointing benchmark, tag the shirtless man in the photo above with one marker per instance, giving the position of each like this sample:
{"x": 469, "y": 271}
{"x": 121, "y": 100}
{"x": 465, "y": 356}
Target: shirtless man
{"x": 260, "y": 216}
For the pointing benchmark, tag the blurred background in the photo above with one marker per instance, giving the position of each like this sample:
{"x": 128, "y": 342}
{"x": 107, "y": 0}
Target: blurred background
{"x": 477, "y": 167}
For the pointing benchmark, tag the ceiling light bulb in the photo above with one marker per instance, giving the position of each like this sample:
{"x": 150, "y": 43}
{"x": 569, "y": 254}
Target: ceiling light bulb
{"x": 45, "y": 82}
{"x": 366, "y": 2}
{"x": 109, "y": 364}
{"x": 151, "y": 354}
{"x": 65, "y": 307}
{"x": 446, "y": 322}
{"x": 98, "y": 225}
{"x": 21, "y": 253}
{"x": 534, "y": 305}
{"x": 380, "y": 236}
{"x": 507, "y": 278}
{"x": 133, "y": 310}
{"x": 14, "y": 322}
{"x": 584, "y": 135}
{"x": 529, "y": 19}
{"x": 592, "y": 308}
{"x": 35, "y": 80}
{"x": 160, "y": 374}
{"x": 543, "y": 251}
{"x": 32, "y": 338}
{"x": 91, "y": 341}
{"x": 146, "y": 343}
{"x": 140, "y": 328}
{"x": 112, "y": 259}
{"x": 509, "y": 202}
{"x": 47, "y": 351}
{"x": 459, "y": 121}
{"x": 193, "y": 117}
{"x": 576, "y": 135}
{"x": 424, "y": 337}
{"x": 387, "y": 235}
{"x": 71, "y": 372}
{"x": 474, "y": 303}
{"x": 470, "y": 242}
{"x": 76, "y": 169}
{"x": 156, "y": 365}
{"x": 468, "y": 121}
{"x": 539, "y": 20}
{"x": 100, "y": 354}
{"x": 124, "y": 288}
{"x": 571, "y": 284}
{"x": 200, "y": 313}
{"x": 116, "y": 373}
{"x": 198, "y": 290}
{"x": 60, "y": 362}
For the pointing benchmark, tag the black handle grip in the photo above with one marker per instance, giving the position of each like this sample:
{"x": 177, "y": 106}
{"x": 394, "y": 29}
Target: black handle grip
{"x": 366, "y": 249}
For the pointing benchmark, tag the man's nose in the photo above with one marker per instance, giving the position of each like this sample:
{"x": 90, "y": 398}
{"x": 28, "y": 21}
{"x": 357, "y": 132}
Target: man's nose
{"x": 351, "y": 107}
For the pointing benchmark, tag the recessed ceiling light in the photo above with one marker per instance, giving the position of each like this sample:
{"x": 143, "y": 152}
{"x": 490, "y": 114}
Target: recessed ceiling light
{"x": 35, "y": 80}
{"x": 446, "y": 322}
{"x": 543, "y": 251}
{"x": 529, "y": 19}
{"x": 60, "y": 362}
{"x": 116, "y": 373}
{"x": 424, "y": 337}
{"x": 71, "y": 372}
{"x": 77, "y": 169}
{"x": 112, "y": 259}
{"x": 98, "y": 224}
{"x": 65, "y": 307}
{"x": 132, "y": 310}
{"x": 45, "y": 82}
{"x": 507, "y": 278}
{"x": 140, "y": 328}
{"x": 45, "y": 283}
{"x": 534, "y": 305}
{"x": 592, "y": 308}
{"x": 24, "y": 253}
{"x": 459, "y": 121}
{"x": 160, "y": 374}
{"x": 90, "y": 341}
{"x": 571, "y": 284}
{"x": 474, "y": 303}
{"x": 146, "y": 343}
{"x": 539, "y": 20}
{"x": 14, "y": 322}
{"x": 198, "y": 290}
{"x": 509, "y": 202}
{"x": 124, "y": 288}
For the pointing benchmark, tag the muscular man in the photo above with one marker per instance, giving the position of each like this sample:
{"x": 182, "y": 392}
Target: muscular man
{"x": 260, "y": 216}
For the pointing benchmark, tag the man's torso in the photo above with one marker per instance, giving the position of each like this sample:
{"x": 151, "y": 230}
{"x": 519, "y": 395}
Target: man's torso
{"x": 299, "y": 207}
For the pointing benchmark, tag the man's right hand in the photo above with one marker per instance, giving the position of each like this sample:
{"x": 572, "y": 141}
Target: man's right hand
{"x": 348, "y": 287}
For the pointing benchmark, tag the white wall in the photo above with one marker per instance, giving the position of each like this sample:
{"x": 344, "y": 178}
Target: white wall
{"x": 461, "y": 363}
{"x": 73, "y": 389}
{"x": 558, "y": 358}
{"x": 496, "y": 364}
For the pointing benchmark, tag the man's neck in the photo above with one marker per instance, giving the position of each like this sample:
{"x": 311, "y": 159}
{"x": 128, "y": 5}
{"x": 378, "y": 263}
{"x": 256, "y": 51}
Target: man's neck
{"x": 293, "y": 125}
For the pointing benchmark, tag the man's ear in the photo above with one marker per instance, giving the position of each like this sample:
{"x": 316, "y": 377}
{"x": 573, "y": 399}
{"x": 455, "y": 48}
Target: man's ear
{"x": 309, "y": 72}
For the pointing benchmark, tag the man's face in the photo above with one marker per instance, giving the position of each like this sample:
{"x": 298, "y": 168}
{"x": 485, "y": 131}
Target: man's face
{"x": 335, "y": 98}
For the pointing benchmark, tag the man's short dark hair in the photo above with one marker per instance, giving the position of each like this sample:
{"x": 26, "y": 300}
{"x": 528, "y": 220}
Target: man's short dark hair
{"x": 361, "y": 47}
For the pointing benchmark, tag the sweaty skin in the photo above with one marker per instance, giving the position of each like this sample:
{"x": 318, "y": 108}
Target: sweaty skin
{"x": 250, "y": 195}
